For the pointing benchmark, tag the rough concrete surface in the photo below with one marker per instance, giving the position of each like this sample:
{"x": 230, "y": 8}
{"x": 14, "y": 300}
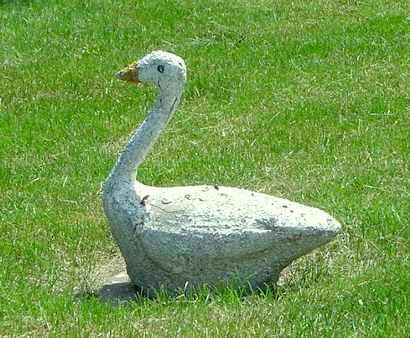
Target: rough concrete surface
{"x": 194, "y": 235}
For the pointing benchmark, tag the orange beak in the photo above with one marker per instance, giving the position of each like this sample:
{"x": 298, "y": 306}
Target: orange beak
{"x": 129, "y": 73}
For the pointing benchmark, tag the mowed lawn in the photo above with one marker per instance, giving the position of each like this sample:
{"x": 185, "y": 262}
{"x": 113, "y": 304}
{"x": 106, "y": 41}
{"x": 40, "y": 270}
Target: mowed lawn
{"x": 306, "y": 100}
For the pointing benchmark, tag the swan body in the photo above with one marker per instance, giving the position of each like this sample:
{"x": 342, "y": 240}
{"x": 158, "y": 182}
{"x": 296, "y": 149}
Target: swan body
{"x": 195, "y": 235}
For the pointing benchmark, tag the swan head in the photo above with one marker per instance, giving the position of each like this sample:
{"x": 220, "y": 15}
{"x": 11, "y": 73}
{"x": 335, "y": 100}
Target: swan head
{"x": 159, "y": 68}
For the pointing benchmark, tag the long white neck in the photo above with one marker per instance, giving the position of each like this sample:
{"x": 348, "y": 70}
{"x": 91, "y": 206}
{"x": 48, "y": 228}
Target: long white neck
{"x": 125, "y": 169}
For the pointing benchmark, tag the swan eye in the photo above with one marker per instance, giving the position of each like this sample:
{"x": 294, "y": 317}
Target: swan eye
{"x": 160, "y": 68}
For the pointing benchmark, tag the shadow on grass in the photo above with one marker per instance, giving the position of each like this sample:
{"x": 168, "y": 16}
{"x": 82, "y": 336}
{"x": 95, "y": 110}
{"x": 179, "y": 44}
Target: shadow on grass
{"x": 120, "y": 291}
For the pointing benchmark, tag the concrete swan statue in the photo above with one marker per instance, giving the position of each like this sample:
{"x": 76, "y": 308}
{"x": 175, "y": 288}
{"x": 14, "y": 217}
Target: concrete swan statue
{"x": 198, "y": 235}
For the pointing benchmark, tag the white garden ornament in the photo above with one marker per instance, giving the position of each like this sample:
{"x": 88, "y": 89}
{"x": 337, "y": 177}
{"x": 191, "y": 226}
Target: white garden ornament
{"x": 199, "y": 235}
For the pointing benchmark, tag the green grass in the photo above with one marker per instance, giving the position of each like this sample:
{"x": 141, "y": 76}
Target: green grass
{"x": 307, "y": 100}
